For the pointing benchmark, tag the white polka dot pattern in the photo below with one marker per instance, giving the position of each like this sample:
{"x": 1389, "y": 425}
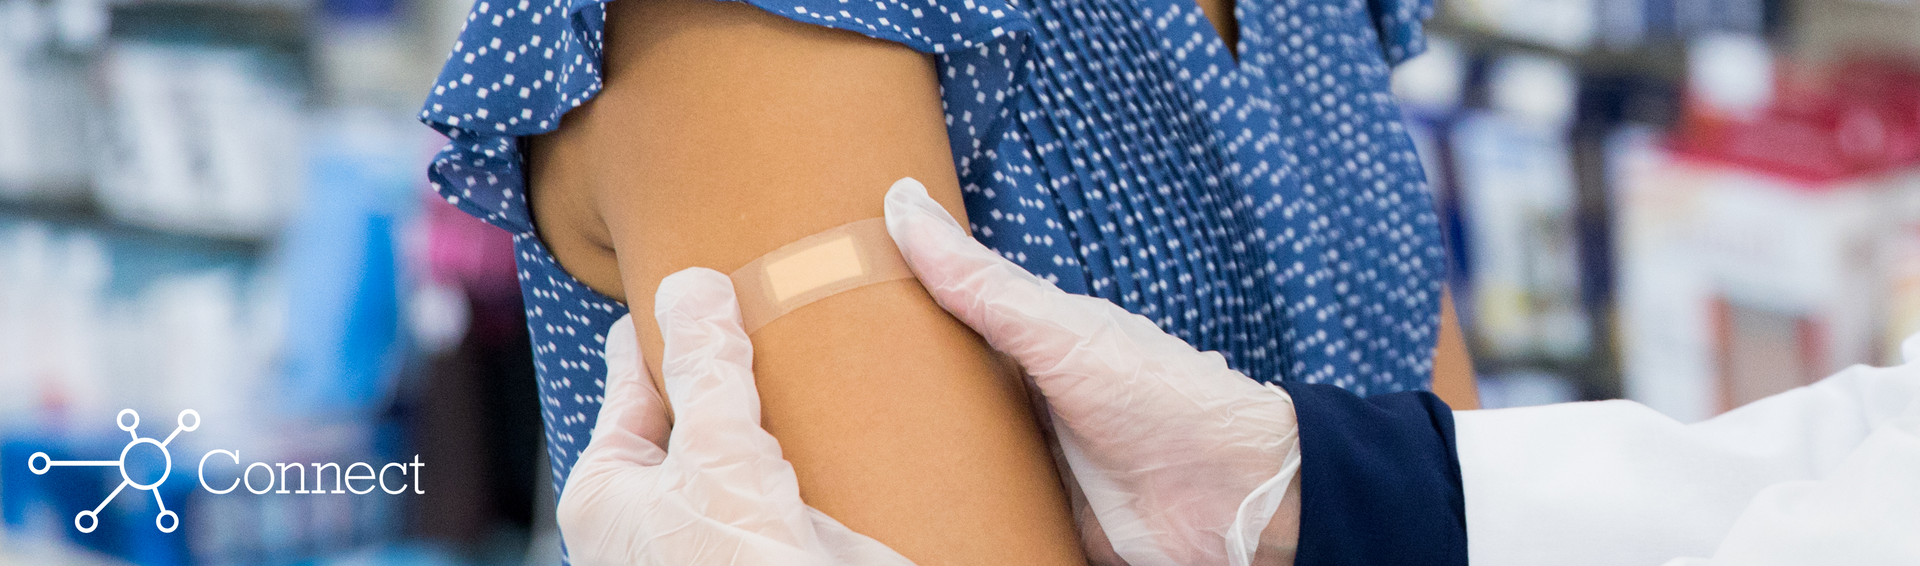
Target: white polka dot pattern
{"x": 1270, "y": 208}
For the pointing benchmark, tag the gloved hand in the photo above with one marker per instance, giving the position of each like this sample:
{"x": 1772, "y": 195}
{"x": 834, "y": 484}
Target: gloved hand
{"x": 719, "y": 493}
{"x": 1182, "y": 460}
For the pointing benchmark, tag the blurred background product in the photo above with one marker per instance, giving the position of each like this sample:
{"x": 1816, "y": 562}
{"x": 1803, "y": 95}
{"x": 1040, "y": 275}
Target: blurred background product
{"x": 219, "y": 205}
{"x": 1689, "y": 203}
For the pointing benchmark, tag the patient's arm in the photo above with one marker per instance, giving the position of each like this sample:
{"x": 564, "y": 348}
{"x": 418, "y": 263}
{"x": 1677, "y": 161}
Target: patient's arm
{"x": 1453, "y": 377}
{"x": 724, "y": 133}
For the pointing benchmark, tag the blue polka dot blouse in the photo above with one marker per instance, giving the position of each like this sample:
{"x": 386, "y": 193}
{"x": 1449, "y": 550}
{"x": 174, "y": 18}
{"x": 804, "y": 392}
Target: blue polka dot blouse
{"x": 1268, "y": 206}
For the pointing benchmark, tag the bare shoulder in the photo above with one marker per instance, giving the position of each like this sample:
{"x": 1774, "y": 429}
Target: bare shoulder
{"x": 734, "y": 130}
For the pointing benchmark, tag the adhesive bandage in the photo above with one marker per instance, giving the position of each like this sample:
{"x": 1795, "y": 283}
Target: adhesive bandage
{"x": 837, "y": 260}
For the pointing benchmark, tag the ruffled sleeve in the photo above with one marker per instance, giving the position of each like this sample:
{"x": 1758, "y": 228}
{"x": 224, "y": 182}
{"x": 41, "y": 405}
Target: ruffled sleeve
{"x": 520, "y": 64}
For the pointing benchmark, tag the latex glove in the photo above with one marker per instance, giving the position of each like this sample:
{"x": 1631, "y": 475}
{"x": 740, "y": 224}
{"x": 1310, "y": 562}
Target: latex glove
{"x": 1182, "y": 460}
{"x": 719, "y": 493}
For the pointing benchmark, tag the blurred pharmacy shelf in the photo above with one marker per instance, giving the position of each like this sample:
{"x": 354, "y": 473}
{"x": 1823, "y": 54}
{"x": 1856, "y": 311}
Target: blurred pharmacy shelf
{"x": 1594, "y": 160}
{"x": 218, "y": 205}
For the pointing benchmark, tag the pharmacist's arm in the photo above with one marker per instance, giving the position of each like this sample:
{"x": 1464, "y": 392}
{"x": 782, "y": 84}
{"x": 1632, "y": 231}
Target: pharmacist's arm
{"x": 1865, "y": 510}
{"x": 724, "y": 133}
{"x": 1614, "y": 482}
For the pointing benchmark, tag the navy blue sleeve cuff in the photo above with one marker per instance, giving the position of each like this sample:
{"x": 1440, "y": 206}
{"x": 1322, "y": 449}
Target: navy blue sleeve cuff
{"x": 1379, "y": 479}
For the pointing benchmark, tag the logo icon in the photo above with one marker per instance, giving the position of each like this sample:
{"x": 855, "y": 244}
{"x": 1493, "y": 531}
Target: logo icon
{"x": 139, "y": 448}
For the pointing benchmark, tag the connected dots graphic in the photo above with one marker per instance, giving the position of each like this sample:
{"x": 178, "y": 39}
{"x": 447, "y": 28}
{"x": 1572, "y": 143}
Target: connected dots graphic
{"x": 128, "y": 421}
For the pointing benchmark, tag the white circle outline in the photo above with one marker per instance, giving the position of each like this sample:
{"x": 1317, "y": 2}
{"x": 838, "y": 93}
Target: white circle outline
{"x": 167, "y": 471}
{"x": 47, "y": 463}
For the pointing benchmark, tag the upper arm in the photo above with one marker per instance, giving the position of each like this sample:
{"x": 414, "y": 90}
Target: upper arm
{"x": 753, "y": 130}
{"x": 724, "y": 132}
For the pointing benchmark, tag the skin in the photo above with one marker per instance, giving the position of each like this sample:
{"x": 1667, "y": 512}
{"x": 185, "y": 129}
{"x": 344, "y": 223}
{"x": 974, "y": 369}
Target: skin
{"x": 1220, "y": 14}
{"x": 1452, "y": 367}
{"x": 723, "y": 133}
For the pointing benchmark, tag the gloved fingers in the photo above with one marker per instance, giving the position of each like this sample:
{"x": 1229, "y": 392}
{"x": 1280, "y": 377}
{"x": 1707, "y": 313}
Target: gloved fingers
{"x": 708, "y": 363}
{"x": 1086, "y": 354}
{"x": 623, "y": 457}
{"x": 1165, "y": 441}
{"x": 975, "y": 284}
{"x": 632, "y": 424}
{"x": 631, "y": 409}
{"x": 597, "y": 512}
{"x": 1093, "y": 536}
{"x": 1017, "y": 312}
{"x": 851, "y": 548}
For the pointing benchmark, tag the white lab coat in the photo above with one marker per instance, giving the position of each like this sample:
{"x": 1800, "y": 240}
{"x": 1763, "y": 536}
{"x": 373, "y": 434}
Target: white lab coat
{"x": 1823, "y": 474}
